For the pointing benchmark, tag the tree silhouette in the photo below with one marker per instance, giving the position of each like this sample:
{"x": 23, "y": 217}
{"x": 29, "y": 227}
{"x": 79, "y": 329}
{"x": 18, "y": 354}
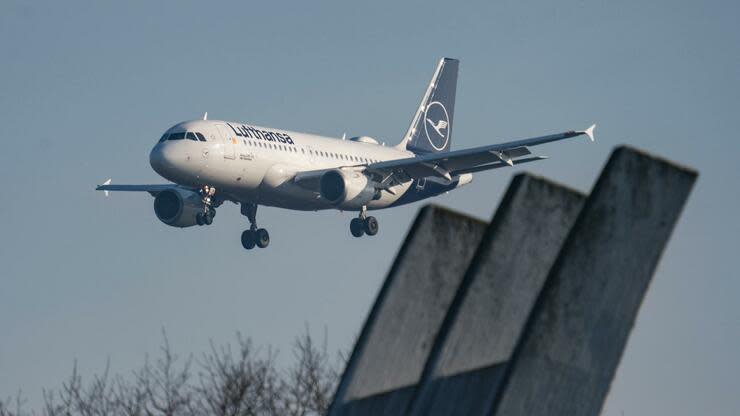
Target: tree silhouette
{"x": 228, "y": 380}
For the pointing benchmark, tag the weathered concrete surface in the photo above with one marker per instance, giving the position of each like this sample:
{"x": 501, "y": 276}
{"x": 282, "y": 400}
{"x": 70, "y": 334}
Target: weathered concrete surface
{"x": 495, "y": 298}
{"x": 395, "y": 342}
{"x": 573, "y": 341}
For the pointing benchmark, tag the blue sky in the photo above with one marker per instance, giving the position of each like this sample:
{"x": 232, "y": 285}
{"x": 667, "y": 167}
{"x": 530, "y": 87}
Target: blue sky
{"x": 87, "y": 88}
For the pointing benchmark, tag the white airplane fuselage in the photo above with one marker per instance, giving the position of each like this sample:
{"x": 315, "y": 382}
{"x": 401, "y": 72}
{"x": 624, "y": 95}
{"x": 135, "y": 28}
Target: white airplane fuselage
{"x": 257, "y": 164}
{"x": 213, "y": 161}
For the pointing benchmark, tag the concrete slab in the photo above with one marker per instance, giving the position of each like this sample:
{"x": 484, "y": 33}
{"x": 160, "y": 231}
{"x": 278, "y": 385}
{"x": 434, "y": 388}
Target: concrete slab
{"x": 569, "y": 351}
{"x": 495, "y": 298}
{"x": 393, "y": 347}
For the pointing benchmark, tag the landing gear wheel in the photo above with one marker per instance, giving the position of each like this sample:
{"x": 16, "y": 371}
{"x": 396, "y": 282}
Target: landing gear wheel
{"x": 248, "y": 239}
{"x": 253, "y": 236}
{"x": 207, "y": 218}
{"x": 356, "y": 227}
{"x": 263, "y": 238}
{"x": 199, "y": 218}
{"x": 371, "y": 226}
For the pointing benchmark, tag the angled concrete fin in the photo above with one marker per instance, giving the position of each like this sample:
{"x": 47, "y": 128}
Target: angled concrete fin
{"x": 565, "y": 360}
{"x": 391, "y": 351}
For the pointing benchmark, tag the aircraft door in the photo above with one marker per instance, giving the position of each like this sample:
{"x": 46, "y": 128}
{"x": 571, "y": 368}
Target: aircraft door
{"x": 229, "y": 141}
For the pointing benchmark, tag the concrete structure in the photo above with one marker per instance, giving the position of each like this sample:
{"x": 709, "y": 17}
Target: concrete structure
{"x": 495, "y": 298}
{"x": 534, "y": 320}
{"x": 392, "y": 349}
{"x": 569, "y": 351}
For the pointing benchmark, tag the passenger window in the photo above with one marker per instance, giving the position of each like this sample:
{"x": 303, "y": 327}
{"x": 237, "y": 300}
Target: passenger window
{"x": 201, "y": 137}
{"x": 176, "y": 136}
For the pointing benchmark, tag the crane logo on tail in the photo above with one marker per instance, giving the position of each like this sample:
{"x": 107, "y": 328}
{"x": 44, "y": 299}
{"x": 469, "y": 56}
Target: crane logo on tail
{"x": 441, "y": 124}
{"x": 437, "y": 118}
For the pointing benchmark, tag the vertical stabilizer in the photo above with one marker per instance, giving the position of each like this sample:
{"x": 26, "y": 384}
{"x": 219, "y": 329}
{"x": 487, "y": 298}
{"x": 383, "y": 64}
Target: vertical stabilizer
{"x": 431, "y": 128}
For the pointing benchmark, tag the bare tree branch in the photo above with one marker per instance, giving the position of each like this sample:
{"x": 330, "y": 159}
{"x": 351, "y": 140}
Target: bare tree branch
{"x": 230, "y": 380}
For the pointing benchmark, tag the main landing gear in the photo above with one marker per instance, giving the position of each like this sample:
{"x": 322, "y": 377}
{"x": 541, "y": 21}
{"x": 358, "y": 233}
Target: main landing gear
{"x": 253, "y": 236}
{"x": 363, "y": 224}
{"x": 209, "y": 212}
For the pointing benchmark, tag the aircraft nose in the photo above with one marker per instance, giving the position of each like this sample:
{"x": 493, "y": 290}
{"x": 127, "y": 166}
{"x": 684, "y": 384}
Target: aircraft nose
{"x": 166, "y": 159}
{"x": 173, "y": 161}
{"x": 157, "y": 159}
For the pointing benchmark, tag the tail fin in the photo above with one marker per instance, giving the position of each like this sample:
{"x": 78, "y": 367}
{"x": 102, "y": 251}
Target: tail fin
{"x": 431, "y": 129}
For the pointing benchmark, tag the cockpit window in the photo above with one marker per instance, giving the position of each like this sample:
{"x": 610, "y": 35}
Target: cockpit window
{"x": 194, "y": 136}
{"x": 176, "y": 136}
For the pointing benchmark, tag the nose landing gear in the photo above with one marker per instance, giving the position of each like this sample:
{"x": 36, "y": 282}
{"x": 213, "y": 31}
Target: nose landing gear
{"x": 363, "y": 224}
{"x": 209, "y": 212}
{"x": 254, "y": 236}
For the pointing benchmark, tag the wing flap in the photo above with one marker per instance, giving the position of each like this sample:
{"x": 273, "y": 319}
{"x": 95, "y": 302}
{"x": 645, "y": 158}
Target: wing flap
{"x": 497, "y": 165}
{"x": 470, "y": 160}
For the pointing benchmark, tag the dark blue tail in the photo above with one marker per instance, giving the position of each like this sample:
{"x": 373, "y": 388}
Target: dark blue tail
{"x": 431, "y": 129}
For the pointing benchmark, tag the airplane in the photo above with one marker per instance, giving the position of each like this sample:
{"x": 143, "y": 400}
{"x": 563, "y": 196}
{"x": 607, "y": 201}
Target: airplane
{"x": 210, "y": 162}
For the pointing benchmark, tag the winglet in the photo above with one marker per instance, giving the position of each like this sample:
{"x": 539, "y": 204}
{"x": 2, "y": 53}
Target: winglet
{"x": 590, "y": 132}
{"x": 107, "y": 183}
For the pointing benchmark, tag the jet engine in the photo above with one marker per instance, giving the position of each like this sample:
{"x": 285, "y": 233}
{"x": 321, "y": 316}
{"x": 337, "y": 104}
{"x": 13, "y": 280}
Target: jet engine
{"x": 178, "y": 207}
{"x": 347, "y": 189}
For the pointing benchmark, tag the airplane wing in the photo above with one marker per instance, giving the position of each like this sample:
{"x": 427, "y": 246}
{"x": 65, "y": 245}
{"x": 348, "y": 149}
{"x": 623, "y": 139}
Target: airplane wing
{"x": 448, "y": 164}
{"x": 157, "y": 188}
{"x": 152, "y": 189}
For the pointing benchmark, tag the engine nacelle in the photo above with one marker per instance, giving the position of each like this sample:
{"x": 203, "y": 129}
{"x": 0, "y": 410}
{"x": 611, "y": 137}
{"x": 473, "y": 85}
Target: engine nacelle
{"x": 178, "y": 207}
{"x": 347, "y": 189}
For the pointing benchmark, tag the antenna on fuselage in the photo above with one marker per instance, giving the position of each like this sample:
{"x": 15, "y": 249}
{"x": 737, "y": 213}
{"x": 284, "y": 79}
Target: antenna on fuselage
{"x": 344, "y": 135}
{"x": 205, "y": 116}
